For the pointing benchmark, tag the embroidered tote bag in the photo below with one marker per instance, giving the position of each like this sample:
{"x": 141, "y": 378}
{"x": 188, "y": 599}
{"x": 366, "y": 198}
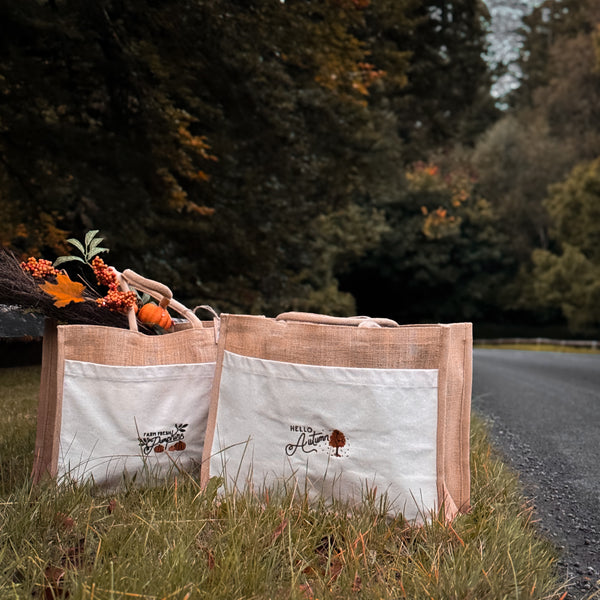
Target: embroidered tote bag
{"x": 344, "y": 407}
{"x": 117, "y": 404}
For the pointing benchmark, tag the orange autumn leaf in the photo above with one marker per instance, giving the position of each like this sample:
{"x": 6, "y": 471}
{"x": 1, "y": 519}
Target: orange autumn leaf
{"x": 64, "y": 290}
{"x": 307, "y": 591}
{"x": 335, "y": 568}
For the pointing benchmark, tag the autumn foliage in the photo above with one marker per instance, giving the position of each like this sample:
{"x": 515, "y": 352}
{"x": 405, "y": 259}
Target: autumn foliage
{"x": 64, "y": 291}
{"x": 339, "y": 156}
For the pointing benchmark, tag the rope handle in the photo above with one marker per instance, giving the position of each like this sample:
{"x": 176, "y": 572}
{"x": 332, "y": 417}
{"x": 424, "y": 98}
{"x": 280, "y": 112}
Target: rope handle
{"x": 216, "y": 319}
{"x": 306, "y": 317}
{"x": 159, "y": 292}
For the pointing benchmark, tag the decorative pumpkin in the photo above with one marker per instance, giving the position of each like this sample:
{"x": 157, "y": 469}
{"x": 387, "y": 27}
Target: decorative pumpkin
{"x": 152, "y": 314}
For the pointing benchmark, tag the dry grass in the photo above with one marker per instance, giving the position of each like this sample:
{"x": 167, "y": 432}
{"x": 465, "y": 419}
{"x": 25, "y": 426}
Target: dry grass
{"x": 177, "y": 542}
{"x": 539, "y": 348}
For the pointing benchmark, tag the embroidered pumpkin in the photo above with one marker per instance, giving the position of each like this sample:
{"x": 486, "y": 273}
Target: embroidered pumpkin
{"x": 152, "y": 314}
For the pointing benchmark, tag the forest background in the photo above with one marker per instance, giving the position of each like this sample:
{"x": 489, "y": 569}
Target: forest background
{"x": 337, "y": 156}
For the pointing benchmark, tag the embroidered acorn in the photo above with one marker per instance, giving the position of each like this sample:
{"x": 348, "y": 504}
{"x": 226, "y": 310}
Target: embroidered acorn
{"x": 154, "y": 314}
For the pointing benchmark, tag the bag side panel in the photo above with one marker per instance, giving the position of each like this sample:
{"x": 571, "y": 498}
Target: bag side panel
{"x": 460, "y": 374}
{"x": 49, "y": 406}
{"x": 205, "y": 473}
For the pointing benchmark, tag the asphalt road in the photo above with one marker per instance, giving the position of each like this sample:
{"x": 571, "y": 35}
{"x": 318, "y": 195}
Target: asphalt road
{"x": 544, "y": 409}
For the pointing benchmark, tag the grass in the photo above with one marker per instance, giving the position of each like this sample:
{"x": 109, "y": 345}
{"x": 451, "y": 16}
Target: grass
{"x": 539, "y": 348}
{"x": 176, "y": 542}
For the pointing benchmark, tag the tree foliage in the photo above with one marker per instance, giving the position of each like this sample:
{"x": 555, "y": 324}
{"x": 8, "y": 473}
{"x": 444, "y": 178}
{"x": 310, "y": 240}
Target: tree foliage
{"x": 246, "y": 153}
{"x": 447, "y": 100}
{"x": 442, "y": 258}
{"x": 515, "y": 161}
{"x": 561, "y": 80}
{"x": 536, "y": 165}
{"x": 568, "y": 276}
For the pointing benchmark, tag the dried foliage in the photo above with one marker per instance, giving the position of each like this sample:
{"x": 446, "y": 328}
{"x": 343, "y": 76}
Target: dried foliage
{"x": 19, "y": 288}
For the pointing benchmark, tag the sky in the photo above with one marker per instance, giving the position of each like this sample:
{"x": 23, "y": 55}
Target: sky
{"x": 504, "y": 39}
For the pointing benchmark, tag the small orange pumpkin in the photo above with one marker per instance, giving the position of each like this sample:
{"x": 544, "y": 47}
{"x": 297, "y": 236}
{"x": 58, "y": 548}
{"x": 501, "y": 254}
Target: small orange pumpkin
{"x": 152, "y": 314}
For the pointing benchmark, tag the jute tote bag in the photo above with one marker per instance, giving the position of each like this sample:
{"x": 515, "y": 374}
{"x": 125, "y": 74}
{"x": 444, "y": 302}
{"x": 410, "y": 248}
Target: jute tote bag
{"x": 344, "y": 408}
{"x": 117, "y": 404}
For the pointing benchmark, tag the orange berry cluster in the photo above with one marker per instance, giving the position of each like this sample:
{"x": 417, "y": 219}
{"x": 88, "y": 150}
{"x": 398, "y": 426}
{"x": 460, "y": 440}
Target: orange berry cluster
{"x": 118, "y": 300}
{"x": 39, "y": 269}
{"x": 115, "y": 299}
{"x": 105, "y": 275}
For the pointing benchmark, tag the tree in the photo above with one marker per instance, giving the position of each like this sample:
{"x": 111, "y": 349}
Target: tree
{"x": 245, "y": 153}
{"x": 568, "y": 276}
{"x": 551, "y": 127}
{"x": 448, "y": 97}
{"x": 337, "y": 440}
{"x": 293, "y": 147}
{"x": 118, "y": 112}
{"x": 443, "y": 257}
{"x": 515, "y": 161}
{"x": 561, "y": 80}
{"x": 86, "y": 127}
{"x": 546, "y": 24}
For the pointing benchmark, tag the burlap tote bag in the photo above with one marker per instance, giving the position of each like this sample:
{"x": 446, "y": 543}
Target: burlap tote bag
{"x": 117, "y": 405}
{"x": 344, "y": 408}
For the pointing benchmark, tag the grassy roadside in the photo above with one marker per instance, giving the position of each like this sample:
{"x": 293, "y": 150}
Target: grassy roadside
{"x": 538, "y": 348}
{"x": 175, "y": 542}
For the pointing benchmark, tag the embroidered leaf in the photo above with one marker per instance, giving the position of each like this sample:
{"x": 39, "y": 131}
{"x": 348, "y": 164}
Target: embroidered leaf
{"x": 64, "y": 291}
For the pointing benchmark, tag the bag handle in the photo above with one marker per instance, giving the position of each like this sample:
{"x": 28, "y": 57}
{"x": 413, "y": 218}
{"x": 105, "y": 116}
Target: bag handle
{"x": 306, "y": 317}
{"x": 158, "y": 291}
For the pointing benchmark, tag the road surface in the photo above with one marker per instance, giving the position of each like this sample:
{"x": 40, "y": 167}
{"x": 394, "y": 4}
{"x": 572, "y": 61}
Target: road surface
{"x": 544, "y": 409}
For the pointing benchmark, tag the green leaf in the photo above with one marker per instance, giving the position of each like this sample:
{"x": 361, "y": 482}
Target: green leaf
{"x": 95, "y": 242}
{"x": 77, "y": 245}
{"x": 89, "y": 236}
{"x": 62, "y": 259}
{"x": 145, "y": 298}
{"x": 95, "y": 251}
